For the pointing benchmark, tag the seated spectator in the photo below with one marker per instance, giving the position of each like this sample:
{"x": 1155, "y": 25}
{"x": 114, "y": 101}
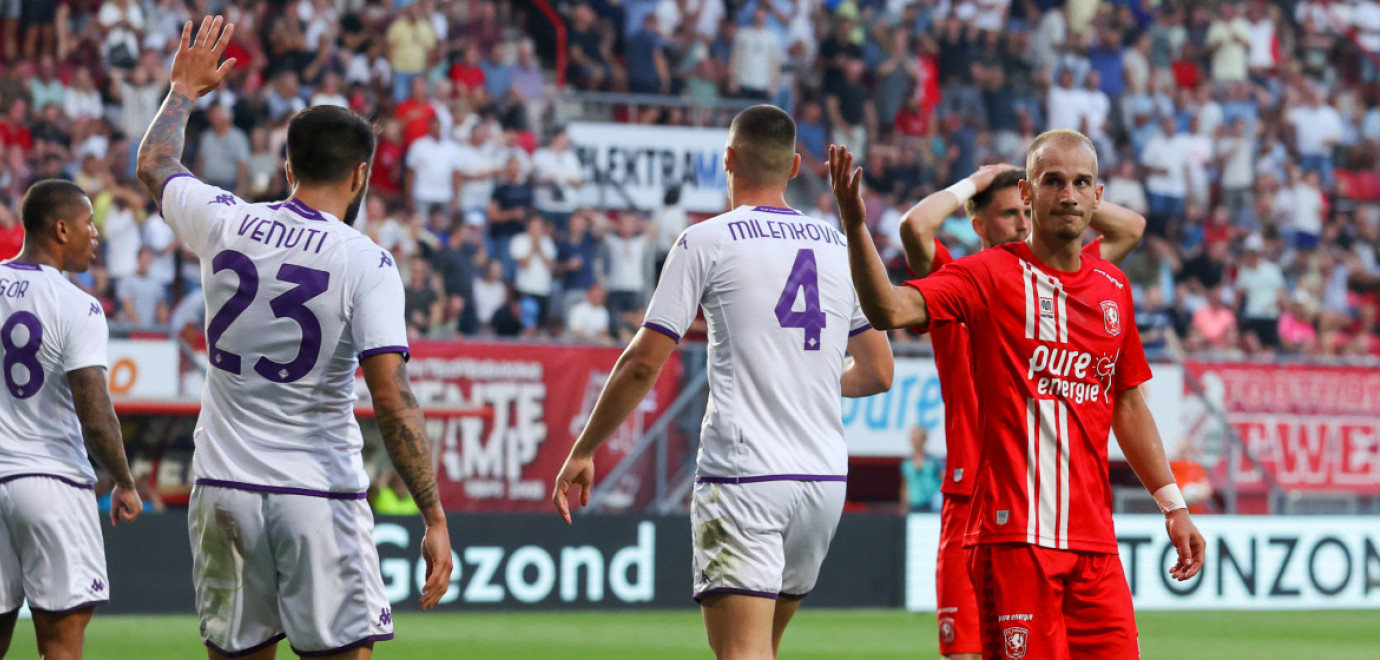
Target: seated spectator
{"x": 1214, "y": 321}
{"x": 588, "y": 320}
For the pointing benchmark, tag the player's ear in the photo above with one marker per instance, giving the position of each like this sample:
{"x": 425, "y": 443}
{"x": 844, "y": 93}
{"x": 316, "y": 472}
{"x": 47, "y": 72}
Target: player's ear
{"x": 287, "y": 170}
{"x": 1024, "y": 187}
{"x": 730, "y": 159}
{"x": 361, "y": 177}
{"x": 1097, "y": 196}
{"x": 795, "y": 166}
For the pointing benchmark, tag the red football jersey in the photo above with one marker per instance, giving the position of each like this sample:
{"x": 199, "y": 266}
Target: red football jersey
{"x": 953, "y": 358}
{"x": 1050, "y": 350}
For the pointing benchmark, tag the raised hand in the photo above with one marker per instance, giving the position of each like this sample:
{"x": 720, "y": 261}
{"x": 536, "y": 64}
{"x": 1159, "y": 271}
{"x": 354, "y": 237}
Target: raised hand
{"x": 196, "y": 68}
{"x": 985, "y": 174}
{"x": 847, "y": 189}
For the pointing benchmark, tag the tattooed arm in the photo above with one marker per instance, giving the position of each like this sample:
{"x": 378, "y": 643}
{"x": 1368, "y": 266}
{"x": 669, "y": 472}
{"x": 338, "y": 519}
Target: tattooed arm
{"x": 404, "y": 436}
{"x": 196, "y": 70}
{"x": 101, "y": 430}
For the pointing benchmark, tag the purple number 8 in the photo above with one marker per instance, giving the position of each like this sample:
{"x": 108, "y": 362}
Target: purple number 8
{"x": 25, "y": 354}
{"x": 804, "y": 276}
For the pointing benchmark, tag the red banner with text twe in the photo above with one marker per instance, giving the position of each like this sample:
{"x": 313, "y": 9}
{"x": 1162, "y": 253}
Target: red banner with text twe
{"x": 1311, "y": 427}
{"x": 537, "y": 399}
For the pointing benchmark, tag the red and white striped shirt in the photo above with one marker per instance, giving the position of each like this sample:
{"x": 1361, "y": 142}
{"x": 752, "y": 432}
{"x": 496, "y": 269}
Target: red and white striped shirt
{"x": 1050, "y": 351}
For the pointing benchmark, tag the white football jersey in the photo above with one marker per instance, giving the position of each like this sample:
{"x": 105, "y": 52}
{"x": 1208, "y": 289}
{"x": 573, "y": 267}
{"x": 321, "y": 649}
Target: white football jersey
{"x": 780, "y": 304}
{"x": 48, "y": 327}
{"x": 294, "y": 298}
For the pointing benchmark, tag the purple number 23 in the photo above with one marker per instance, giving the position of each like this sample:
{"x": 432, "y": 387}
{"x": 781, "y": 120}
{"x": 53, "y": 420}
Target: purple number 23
{"x": 291, "y": 304}
{"x": 804, "y": 277}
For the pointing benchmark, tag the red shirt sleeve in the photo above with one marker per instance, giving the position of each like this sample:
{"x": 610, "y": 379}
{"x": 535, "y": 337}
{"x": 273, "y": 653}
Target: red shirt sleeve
{"x": 1132, "y": 369}
{"x": 942, "y": 257}
{"x": 955, "y": 293}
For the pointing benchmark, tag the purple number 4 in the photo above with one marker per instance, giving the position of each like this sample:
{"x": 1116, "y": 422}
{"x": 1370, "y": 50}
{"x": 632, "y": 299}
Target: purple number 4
{"x": 804, "y": 277}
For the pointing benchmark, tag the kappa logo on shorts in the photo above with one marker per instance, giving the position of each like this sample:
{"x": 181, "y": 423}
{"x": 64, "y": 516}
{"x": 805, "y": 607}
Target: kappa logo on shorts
{"x": 1111, "y": 317}
{"x": 97, "y": 586}
{"x": 386, "y": 617}
{"x": 946, "y": 630}
{"x": 1015, "y": 639}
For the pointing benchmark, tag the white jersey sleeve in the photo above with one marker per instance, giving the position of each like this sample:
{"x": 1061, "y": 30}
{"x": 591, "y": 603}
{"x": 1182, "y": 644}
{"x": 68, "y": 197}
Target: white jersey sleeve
{"x": 194, "y": 209}
{"x": 683, "y": 280}
{"x": 859, "y": 322}
{"x": 377, "y": 322}
{"x": 87, "y": 334}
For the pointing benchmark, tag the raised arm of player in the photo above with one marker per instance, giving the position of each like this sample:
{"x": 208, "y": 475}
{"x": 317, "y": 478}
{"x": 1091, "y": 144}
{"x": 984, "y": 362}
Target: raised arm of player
{"x": 404, "y": 436}
{"x": 920, "y": 224}
{"x": 886, "y": 306}
{"x": 101, "y": 430}
{"x": 869, "y": 366}
{"x": 1121, "y": 229}
{"x": 633, "y": 377}
{"x": 1140, "y": 442}
{"x": 194, "y": 73}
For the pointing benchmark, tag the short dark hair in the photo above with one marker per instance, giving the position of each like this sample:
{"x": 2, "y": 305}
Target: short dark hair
{"x": 1000, "y": 182}
{"x": 325, "y": 143}
{"x": 764, "y": 136}
{"x": 48, "y": 201}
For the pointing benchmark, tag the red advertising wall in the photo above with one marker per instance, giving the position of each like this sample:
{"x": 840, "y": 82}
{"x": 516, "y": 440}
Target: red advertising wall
{"x": 1311, "y": 427}
{"x": 539, "y": 398}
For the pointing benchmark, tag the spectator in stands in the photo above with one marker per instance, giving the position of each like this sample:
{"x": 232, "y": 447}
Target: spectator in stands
{"x": 158, "y": 238}
{"x": 648, "y": 72}
{"x": 142, "y": 298}
{"x": 1213, "y": 323}
{"x": 490, "y": 293}
{"x": 479, "y": 168}
{"x": 630, "y": 250}
{"x": 851, "y": 112}
{"x": 1125, "y": 189}
{"x": 534, "y": 253}
{"x": 286, "y": 98}
{"x": 122, "y": 23}
{"x": 1317, "y": 130}
{"x": 588, "y": 320}
{"x": 558, "y": 178}
{"x": 421, "y": 300}
{"x": 1229, "y": 40}
{"x": 120, "y": 232}
{"x": 1167, "y": 185}
{"x": 411, "y": 42}
{"x": 512, "y": 202}
{"x": 576, "y": 256}
{"x": 755, "y": 67}
{"x": 590, "y": 51}
{"x": 223, "y": 153}
{"x": 1260, "y": 291}
{"x": 433, "y": 166}
{"x": 921, "y": 476}
{"x": 1308, "y": 201}
{"x": 45, "y": 88}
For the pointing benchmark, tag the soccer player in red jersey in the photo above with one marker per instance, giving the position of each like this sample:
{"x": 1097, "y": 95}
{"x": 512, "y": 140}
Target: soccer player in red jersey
{"x": 992, "y": 201}
{"x": 1057, "y": 362}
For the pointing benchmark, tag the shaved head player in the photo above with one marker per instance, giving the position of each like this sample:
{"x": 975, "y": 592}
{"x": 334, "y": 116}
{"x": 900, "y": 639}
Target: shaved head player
{"x": 782, "y": 313}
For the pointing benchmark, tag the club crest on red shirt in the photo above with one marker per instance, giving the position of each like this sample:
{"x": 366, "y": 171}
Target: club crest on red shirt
{"x": 1111, "y": 317}
{"x": 1016, "y": 638}
{"x": 946, "y": 630}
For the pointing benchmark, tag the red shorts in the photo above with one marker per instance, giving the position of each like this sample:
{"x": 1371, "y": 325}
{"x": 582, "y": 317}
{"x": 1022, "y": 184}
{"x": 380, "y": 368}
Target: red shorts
{"x": 958, "y": 611}
{"x": 1047, "y": 604}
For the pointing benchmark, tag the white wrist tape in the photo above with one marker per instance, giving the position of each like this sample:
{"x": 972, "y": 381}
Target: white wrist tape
{"x": 963, "y": 190}
{"x": 1170, "y": 498}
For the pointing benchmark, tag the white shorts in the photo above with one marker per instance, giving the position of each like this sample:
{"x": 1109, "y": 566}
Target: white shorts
{"x": 270, "y": 565}
{"x": 764, "y": 539}
{"x": 51, "y": 550}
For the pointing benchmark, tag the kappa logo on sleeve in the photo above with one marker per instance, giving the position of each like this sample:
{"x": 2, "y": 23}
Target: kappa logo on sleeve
{"x": 95, "y": 310}
{"x": 1016, "y": 639}
{"x": 385, "y": 261}
{"x": 228, "y": 200}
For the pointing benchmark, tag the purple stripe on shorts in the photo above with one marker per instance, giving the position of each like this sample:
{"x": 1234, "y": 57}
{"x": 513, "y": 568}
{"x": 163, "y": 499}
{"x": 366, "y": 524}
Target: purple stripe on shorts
{"x": 19, "y": 265}
{"x": 280, "y": 490}
{"x": 771, "y": 477}
{"x": 662, "y": 329}
{"x": 352, "y": 645}
{"x": 249, "y": 651}
{"x": 735, "y": 592}
{"x": 865, "y": 327}
{"x": 776, "y": 209}
{"x": 164, "y": 189}
{"x": 69, "y": 482}
{"x": 794, "y": 596}
{"x": 89, "y": 603}
{"x": 387, "y": 349}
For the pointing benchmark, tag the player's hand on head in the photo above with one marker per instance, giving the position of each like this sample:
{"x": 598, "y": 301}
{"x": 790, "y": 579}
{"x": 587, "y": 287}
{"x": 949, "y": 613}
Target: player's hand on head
{"x": 984, "y": 176}
{"x": 125, "y": 505}
{"x": 439, "y": 564}
{"x": 847, "y": 184}
{"x": 577, "y": 471}
{"x": 1188, "y": 541}
{"x": 196, "y": 68}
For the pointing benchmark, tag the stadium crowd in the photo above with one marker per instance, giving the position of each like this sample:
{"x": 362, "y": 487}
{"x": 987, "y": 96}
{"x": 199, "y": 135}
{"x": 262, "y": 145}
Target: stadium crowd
{"x": 1246, "y": 132}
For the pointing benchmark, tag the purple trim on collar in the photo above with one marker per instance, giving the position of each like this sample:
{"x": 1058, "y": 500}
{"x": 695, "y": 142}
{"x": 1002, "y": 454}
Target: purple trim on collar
{"x": 771, "y": 477}
{"x": 20, "y": 265}
{"x": 387, "y": 349}
{"x": 280, "y": 490}
{"x": 69, "y": 482}
{"x": 857, "y": 331}
{"x": 341, "y": 649}
{"x": 163, "y": 191}
{"x": 249, "y": 651}
{"x": 662, "y": 329}
{"x": 775, "y": 209}
{"x": 733, "y": 591}
{"x": 89, "y": 603}
{"x": 297, "y": 206}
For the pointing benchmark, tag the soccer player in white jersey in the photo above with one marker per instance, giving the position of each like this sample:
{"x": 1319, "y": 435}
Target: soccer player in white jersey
{"x": 282, "y": 538}
{"x": 776, "y": 293}
{"x": 52, "y": 340}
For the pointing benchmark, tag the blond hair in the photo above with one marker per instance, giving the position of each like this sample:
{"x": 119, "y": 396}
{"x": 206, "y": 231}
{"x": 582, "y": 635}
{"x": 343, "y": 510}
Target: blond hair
{"x": 1057, "y": 135}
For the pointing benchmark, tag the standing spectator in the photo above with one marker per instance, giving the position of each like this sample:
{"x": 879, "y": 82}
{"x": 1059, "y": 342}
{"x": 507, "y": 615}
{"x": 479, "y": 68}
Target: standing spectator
{"x": 416, "y": 113}
{"x": 421, "y": 300}
{"x": 389, "y": 169}
{"x": 478, "y": 169}
{"x": 628, "y": 252}
{"x": 921, "y": 476}
{"x": 851, "y": 111}
{"x": 1124, "y": 189}
{"x": 755, "y": 68}
{"x": 670, "y": 221}
{"x": 648, "y": 72}
{"x": 328, "y": 93}
{"x": 528, "y": 80}
{"x": 490, "y": 293}
{"x": 223, "y": 155}
{"x": 286, "y": 98}
{"x": 1236, "y": 158}
{"x": 1308, "y": 200}
{"x": 45, "y": 88}
{"x": 1167, "y": 183}
{"x": 559, "y": 177}
{"x": 457, "y": 261}
{"x": 1365, "y": 18}
{"x": 1229, "y": 39}
{"x": 590, "y": 51}
{"x": 1214, "y": 324}
{"x": 498, "y": 73}
{"x": 120, "y": 231}
{"x": 143, "y": 301}
{"x": 1262, "y": 56}
{"x": 588, "y": 319}
{"x": 576, "y": 255}
{"x": 1260, "y": 290}
{"x": 139, "y": 96}
{"x": 83, "y": 101}
{"x": 1317, "y": 129}
{"x": 122, "y": 23}
{"x": 411, "y": 40}
{"x": 512, "y": 203}
{"x": 433, "y": 164}
{"x": 1067, "y": 104}
{"x": 534, "y": 254}
{"x": 265, "y": 167}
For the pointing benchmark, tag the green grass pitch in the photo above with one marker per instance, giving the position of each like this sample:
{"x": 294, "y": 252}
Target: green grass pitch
{"x": 833, "y": 634}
